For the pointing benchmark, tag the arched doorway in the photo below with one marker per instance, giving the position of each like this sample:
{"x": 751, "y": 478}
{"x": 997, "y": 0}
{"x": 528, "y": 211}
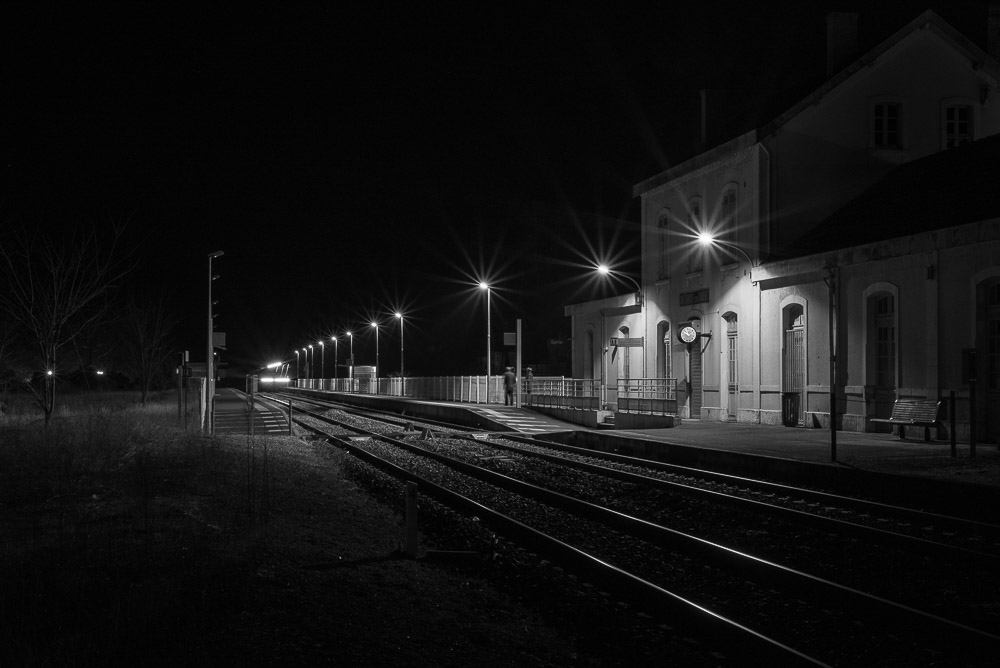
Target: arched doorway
{"x": 730, "y": 366}
{"x": 881, "y": 376}
{"x": 695, "y": 371}
{"x": 793, "y": 365}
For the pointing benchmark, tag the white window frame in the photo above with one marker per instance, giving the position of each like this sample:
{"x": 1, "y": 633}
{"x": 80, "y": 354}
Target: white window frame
{"x": 887, "y": 102}
{"x": 955, "y": 103}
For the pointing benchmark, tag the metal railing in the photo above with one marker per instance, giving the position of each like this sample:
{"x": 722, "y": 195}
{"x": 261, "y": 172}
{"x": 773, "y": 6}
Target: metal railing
{"x": 636, "y": 395}
{"x": 656, "y": 396}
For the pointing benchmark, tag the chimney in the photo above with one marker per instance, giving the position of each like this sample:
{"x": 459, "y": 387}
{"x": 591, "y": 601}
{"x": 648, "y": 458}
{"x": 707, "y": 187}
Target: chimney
{"x": 841, "y": 40}
{"x": 993, "y": 31}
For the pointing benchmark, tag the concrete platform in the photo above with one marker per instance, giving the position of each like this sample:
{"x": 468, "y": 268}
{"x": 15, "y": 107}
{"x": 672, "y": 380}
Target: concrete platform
{"x": 869, "y": 463}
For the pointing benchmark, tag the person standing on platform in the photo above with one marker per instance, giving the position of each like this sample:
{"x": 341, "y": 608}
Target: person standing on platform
{"x": 509, "y": 381}
{"x": 527, "y": 383}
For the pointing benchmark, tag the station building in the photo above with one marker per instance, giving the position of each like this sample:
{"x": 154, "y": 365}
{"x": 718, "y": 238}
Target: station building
{"x": 855, "y": 253}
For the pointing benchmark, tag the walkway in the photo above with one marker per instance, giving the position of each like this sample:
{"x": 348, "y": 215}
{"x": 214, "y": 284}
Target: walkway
{"x": 231, "y": 415}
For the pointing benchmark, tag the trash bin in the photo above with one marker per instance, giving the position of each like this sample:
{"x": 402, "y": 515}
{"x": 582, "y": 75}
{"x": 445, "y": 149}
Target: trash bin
{"x": 790, "y": 408}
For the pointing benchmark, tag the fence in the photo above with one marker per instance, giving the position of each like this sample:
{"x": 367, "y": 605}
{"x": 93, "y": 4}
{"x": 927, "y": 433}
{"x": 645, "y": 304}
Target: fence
{"x": 565, "y": 393}
{"x": 656, "y": 396}
{"x": 636, "y": 395}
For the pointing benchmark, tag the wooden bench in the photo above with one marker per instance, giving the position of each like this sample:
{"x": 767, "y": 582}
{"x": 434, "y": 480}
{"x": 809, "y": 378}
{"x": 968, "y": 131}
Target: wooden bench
{"x": 913, "y": 413}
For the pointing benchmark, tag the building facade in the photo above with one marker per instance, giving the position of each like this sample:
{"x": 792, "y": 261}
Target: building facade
{"x": 816, "y": 286}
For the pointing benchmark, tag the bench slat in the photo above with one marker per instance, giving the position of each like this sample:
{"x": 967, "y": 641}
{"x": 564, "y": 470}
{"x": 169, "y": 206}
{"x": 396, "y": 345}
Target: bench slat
{"x": 914, "y": 413}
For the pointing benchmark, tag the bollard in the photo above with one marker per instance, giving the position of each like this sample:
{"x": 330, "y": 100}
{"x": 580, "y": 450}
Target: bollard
{"x": 411, "y": 519}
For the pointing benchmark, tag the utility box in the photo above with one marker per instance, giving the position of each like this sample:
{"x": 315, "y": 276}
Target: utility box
{"x": 365, "y": 377}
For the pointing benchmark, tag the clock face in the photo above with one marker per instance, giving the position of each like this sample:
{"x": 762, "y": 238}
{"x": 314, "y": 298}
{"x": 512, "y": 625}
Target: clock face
{"x": 688, "y": 334}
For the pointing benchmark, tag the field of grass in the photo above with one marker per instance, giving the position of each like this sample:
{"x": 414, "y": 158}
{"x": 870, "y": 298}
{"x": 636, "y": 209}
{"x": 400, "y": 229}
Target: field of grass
{"x": 123, "y": 537}
{"x": 128, "y": 540}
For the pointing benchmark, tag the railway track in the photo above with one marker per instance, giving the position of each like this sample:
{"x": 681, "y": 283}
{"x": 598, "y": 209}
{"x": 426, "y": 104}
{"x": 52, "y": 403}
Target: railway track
{"x": 617, "y": 527}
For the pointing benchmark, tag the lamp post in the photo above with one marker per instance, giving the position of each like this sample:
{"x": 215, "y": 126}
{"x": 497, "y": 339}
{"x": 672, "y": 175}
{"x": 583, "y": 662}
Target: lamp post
{"x": 336, "y": 349}
{"x": 489, "y": 343}
{"x": 402, "y": 376}
{"x": 709, "y": 239}
{"x": 322, "y": 359}
{"x": 305, "y": 356}
{"x": 607, "y": 271}
{"x": 209, "y": 360}
{"x": 375, "y": 325}
{"x": 296, "y": 366}
{"x": 350, "y": 367}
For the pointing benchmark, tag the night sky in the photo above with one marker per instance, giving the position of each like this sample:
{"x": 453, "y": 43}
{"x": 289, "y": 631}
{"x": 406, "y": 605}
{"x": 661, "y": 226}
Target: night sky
{"x": 355, "y": 161}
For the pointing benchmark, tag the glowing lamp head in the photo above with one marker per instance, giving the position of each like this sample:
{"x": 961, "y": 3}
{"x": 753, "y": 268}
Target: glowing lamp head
{"x": 603, "y": 269}
{"x": 706, "y": 238}
{"x": 484, "y": 285}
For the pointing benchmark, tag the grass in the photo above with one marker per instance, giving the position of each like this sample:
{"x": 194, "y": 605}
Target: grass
{"x": 123, "y": 536}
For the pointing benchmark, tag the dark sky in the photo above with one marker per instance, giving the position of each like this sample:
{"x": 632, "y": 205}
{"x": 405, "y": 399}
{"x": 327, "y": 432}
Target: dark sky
{"x": 355, "y": 160}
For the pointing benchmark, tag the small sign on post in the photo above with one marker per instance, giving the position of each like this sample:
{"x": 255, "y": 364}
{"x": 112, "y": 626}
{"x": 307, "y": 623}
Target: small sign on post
{"x": 625, "y": 342}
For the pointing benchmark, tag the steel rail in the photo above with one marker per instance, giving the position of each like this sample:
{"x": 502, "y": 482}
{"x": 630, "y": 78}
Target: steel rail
{"x": 801, "y": 517}
{"x": 854, "y": 503}
{"x": 873, "y": 607}
{"x": 651, "y": 597}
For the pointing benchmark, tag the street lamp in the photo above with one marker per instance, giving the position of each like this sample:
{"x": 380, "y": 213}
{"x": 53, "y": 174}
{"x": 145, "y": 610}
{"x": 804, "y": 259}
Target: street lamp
{"x": 607, "y": 271}
{"x": 706, "y": 238}
{"x": 312, "y": 358}
{"x": 350, "y": 367}
{"x": 489, "y": 343}
{"x": 375, "y": 325}
{"x": 336, "y": 348}
{"x": 402, "y": 377}
{"x": 209, "y": 361}
{"x": 296, "y": 366}
{"x": 322, "y": 359}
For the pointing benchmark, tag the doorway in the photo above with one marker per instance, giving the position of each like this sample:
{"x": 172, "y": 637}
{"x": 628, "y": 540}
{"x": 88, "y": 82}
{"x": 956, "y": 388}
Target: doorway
{"x": 793, "y": 366}
{"x": 881, "y": 356}
{"x": 732, "y": 366}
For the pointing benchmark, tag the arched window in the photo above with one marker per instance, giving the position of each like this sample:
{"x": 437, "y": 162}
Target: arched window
{"x": 885, "y": 340}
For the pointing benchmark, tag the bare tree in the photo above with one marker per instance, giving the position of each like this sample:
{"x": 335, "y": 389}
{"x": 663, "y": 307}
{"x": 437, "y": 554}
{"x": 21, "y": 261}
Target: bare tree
{"x": 51, "y": 290}
{"x": 145, "y": 332}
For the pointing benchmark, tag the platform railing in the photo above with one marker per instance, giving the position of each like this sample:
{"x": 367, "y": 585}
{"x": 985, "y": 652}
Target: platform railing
{"x": 656, "y": 396}
{"x": 636, "y": 395}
